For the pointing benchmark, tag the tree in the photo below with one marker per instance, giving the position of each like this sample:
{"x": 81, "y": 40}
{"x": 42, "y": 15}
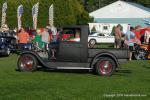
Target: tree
{"x": 66, "y": 12}
{"x": 91, "y": 5}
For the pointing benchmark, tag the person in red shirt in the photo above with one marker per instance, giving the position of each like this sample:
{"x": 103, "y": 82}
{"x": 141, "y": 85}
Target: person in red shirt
{"x": 23, "y": 38}
{"x": 142, "y": 33}
{"x": 137, "y": 34}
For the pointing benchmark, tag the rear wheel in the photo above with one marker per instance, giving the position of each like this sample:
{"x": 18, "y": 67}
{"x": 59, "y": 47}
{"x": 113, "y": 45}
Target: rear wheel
{"x": 105, "y": 66}
{"x": 27, "y": 63}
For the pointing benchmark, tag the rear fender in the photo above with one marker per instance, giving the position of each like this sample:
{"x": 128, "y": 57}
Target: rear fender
{"x": 101, "y": 55}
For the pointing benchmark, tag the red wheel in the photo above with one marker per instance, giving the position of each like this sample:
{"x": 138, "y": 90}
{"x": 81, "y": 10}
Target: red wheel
{"x": 105, "y": 66}
{"x": 27, "y": 62}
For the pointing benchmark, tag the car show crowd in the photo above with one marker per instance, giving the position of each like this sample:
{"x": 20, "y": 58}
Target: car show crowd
{"x": 48, "y": 38}
{"x": 27, "y": 39}
{"x": 134, "y": 36}
{"x": 41, "y": 39}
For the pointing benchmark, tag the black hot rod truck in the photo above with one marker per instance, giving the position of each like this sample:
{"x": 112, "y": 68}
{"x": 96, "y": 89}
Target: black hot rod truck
{"x": 74, "y": 54}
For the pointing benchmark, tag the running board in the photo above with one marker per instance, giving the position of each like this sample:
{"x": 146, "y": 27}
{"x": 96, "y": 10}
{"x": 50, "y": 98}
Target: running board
{"x": 68, "y": 65}
{"x": 85, "y": 68}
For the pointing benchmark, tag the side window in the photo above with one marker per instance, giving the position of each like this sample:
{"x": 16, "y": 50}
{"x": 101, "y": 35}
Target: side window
{"x": 100, "y": 34}
{"x": 71, "y": 34}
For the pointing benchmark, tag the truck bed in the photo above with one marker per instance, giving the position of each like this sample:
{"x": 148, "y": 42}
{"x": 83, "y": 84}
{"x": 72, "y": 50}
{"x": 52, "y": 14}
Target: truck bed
{"x": 118, "y": 53}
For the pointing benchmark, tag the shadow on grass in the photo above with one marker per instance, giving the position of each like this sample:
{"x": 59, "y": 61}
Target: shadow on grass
{"x": 123, "y": 72}
{"x": 118, "y": 72}
{"x": 145, "y": 66}
{"x": 61, "y": 71}
{"x": 66, "y": 71}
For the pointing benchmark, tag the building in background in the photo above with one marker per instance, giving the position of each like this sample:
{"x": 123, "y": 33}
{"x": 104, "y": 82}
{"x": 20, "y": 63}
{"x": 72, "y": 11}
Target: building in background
{"x": 121, "y": 12}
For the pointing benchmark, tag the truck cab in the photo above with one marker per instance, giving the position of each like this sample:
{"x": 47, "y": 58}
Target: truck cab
{"x": 72, "y": 52}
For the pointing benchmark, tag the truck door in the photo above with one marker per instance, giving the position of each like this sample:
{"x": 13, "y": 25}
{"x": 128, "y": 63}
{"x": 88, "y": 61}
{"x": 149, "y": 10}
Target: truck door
{"x": 70, "y": 52}
{"x": 70, "y": 46}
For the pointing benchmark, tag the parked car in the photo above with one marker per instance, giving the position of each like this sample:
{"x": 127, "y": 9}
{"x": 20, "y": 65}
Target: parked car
{"x": 142, "y": 52}
{"x": 75, "y": 55}
{"x": 7, "y": 43}
{"x": 96, "y": 37}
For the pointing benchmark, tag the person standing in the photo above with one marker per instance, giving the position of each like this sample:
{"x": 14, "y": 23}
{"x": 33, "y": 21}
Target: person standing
{"x": 138, "y": 36}
{"x": 147, "y": 35}
{"x": 130, "y": 40}
{"x": 37, "y": 39}
{"x": 53, "y": 30}
{"x": 23, "y": 38}
{"x": 45, "y": 38}
{"x": 118, "y": 36}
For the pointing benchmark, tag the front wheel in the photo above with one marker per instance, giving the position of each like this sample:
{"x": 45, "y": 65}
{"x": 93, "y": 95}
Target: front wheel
{"x": 105, "y": 66}
{"x": 27, "y": 63}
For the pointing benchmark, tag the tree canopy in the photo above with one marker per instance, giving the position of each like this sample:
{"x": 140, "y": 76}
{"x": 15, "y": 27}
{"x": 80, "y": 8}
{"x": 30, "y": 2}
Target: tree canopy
{"x": 91, "y": 5}
{"x": 66, "y": 12}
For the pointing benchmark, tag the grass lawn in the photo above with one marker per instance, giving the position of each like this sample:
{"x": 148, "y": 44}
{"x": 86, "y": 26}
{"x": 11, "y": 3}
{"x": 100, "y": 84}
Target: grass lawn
{"x": 132, "y": 82}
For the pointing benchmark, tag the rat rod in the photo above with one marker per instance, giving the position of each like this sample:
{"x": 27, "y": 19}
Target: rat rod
{"x": 75, "y": 55}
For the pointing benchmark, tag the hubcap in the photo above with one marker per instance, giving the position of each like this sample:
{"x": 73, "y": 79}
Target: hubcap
{"x": 26, "y": 63}
{"x": 105, "y": 67}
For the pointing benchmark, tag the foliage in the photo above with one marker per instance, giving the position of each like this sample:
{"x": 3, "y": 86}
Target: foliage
{"x": 92, "y": 5}
{"x": 66, "y": 12}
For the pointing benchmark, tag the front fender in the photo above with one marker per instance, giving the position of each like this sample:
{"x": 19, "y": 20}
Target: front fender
{"x": 37, "y": 57}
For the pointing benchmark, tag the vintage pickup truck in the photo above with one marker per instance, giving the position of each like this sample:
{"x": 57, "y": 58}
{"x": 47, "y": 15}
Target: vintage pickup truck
{"x": 75, "y": 55}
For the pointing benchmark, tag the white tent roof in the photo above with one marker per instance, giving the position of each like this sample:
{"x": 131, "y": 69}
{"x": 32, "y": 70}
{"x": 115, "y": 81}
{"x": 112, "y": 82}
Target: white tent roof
{"x": 122, "y": 9}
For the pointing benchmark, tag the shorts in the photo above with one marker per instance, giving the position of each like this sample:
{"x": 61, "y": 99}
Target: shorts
{"x": 131, "y": 48}
{"x": 118, "y": 42}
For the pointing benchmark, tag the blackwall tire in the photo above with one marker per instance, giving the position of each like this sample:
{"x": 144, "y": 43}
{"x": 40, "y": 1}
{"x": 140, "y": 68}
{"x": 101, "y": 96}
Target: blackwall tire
{"x": 105, "y": 66}
{"x": 27, "y": 63}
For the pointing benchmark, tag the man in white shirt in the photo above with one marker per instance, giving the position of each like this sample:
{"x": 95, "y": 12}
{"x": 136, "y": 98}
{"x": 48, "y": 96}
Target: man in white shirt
{"x": 45, "y": 38}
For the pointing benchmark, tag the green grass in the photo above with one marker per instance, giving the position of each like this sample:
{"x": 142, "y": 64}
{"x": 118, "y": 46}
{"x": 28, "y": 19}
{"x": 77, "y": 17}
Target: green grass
{"x": 132, "y": 78}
